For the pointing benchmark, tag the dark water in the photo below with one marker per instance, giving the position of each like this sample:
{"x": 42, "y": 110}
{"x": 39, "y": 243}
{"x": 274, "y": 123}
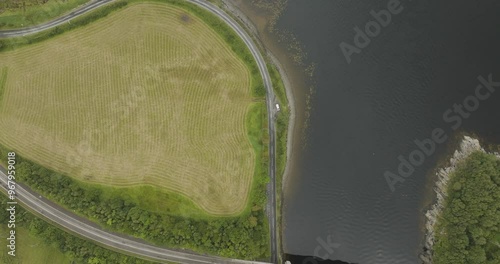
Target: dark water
{"x": 367, "y": 113}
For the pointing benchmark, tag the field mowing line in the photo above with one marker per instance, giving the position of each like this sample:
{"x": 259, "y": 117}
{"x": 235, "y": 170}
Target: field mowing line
{"x": 148, "y": 95}
{"x": 3, "y": 80}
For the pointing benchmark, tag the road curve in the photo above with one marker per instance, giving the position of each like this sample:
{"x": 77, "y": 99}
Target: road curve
{"x": 270, "y": 100}
{"x": 69, "y": 221}
{"x": 54, "y": 23}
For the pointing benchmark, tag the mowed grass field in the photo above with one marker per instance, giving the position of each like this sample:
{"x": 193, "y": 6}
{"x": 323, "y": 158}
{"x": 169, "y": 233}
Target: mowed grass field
{"x": 149, "y": 95}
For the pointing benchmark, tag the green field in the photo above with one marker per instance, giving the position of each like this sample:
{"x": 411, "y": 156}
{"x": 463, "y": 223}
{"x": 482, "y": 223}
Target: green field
{"x": 38, "y": 242}
{"x": 159, "y": 215}
{"x": 17, "y": 14}
{"x": 282, "y": 122}
{"x": 148, "y": 96}
{"x": 30, "y": 249}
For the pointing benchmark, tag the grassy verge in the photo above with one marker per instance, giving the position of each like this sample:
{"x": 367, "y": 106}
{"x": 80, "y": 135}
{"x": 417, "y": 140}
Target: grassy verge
{"x": 259, "y": 137}
{"x": 17, "y": 14}
{"x": 40, "y": 242}
{"x": 14, "y": 43}
{"x": 218, "y": 3}
{"x": 153, "y": 199}
{"x": 258, "y": 134}
{"x": 468, "y": 230}
{"x": 282, "y": 121}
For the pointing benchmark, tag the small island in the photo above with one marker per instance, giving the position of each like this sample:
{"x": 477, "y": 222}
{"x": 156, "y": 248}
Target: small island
{"x": 463, "y": 225}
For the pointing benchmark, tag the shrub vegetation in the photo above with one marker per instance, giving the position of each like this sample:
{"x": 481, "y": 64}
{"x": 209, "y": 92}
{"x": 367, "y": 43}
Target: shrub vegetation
{"x": 63, "y": 247}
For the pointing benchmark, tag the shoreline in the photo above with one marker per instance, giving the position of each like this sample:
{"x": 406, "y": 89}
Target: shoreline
{"x": 240, "y": 16}
{"x": 287, "y": 96}
{"x": 291, "y": 120}
{"x": 468, "y": 145}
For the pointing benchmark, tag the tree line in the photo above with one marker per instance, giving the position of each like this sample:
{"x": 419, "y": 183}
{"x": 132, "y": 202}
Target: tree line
{"x": 79, "y": 250}
{"x": 8, "y": 44}
{"x": 245, "y": 236}
{"x": 468, "y": 229}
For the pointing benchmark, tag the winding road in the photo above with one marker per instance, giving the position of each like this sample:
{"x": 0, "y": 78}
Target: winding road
{"x": 73, "y": 223}
{"x": 92, "y": 232}
{"x": 54, "y": 23}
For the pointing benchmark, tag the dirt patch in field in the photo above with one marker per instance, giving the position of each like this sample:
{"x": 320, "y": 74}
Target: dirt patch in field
{"x": 185, "y": 18}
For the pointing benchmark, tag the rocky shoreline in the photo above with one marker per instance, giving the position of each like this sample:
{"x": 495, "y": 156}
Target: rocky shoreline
{"x": 467, "y": 147}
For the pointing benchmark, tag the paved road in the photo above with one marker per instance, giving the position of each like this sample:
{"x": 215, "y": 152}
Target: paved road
{"x": 35, "y": 29}
{"x": 270, "y": 98}
{"x": 133, "y": 246}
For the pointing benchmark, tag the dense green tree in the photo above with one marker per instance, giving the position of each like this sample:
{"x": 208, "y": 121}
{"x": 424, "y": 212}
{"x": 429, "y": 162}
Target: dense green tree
{"x": 80, "y": 250}
{"x": 468, "y": 231}
{"x": 245, "y": 236}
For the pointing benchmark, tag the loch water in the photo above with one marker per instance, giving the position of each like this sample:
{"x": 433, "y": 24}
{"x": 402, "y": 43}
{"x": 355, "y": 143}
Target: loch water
{"x": 367, "y": 113}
